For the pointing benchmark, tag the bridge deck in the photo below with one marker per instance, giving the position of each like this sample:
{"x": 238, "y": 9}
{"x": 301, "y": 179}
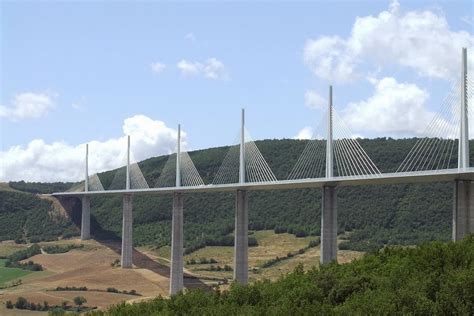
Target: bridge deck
{"x": 386, "y": 178}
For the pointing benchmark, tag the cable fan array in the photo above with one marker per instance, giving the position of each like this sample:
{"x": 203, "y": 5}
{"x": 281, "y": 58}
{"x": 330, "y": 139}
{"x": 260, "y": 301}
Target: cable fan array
{"x": 189, "y": 174}
{"x": 349, "y": 156}
{"x": 350, "y": 159}
{"x": 311, "y": 164}
{"x": 95, "y": 184}
{"x": 439, "y": 148}
{"x": 137, "y": 180}
{"x": 256, "y": 167}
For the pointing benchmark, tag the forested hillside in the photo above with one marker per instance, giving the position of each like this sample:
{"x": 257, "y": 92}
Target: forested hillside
{"x": 395, "y": 214}
{"x": 376, "y": 215}
{"x": 434, "y": 279}
{"x": 25, "y": 217}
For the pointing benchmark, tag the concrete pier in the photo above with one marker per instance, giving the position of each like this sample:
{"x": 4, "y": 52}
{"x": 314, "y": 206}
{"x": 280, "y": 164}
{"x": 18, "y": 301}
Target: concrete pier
{"x": 86, "y": 218}
{"x": 176, "y": 274}
{"x": 463, "y": 209}
{"x": 329, "y": 225}
{"x": 127, "y": 228}
{"x": 241, "y": 261}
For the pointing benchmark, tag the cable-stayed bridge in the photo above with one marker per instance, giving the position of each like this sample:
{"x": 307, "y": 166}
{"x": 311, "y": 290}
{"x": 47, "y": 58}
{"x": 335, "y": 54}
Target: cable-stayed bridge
{"x": 334, "y": 161}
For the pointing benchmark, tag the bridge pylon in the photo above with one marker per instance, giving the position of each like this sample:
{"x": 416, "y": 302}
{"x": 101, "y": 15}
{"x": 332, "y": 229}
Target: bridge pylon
{"x": 463, "y": 208}
{"x": 329, "y": 198}
{"x": 86, "y": 203}
{"x": 241, "y": 260}
{"x": 127, "y": 218}
{"x": 177, "y": 265}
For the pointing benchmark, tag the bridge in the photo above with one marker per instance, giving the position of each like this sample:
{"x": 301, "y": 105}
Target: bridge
{"x": 336, "y": 161}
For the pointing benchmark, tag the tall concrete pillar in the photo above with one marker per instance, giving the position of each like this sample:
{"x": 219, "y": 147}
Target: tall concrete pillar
{"x": 463, "y": 210}
{"x": 127, "y": 228}
{"x": 241, "y": 243}
{"x": 329, "y": 225}
{"x": 86, "y": 218}
{"x": 177, "y": 266}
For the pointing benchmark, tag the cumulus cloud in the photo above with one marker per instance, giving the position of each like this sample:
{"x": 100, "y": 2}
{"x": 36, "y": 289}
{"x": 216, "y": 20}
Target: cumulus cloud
{"x": 313, "y": 100}
{"x": 157, "y": 67}
{"x": 212, "y": 68}
{"x": 304, "y": 133}
{"x": 28, "y": 105}
{"x": 60, "y": 161}
{"x": 190, "y": 36}
{"x": 397, "y": 108}
{"x": 419, "y": 40}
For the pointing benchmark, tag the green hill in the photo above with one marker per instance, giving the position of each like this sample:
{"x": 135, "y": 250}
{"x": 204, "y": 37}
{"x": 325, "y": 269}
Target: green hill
{"x": 27, "y": 217}
{"x": 377, "y": 215}
{"x": 433, "y": 279}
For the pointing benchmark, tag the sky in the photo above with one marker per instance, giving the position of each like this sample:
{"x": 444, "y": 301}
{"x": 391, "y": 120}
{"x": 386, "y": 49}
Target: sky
{"x": 77, "y": 72}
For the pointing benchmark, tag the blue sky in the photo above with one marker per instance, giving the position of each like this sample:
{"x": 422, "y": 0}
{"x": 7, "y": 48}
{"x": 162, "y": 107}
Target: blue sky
{"x": 74, "y": 72}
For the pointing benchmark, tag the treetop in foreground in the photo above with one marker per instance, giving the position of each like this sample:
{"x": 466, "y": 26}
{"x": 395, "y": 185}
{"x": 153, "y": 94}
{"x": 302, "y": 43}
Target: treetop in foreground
{"x": 432, "y": 279}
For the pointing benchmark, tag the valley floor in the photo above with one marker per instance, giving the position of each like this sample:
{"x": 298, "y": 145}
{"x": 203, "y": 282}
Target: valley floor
{"x": 92, "y": 267}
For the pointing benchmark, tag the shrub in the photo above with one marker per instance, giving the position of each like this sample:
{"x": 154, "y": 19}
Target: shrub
{"x": 21, "y": 303}
{"x": 79, "y": 300}
{"x": 301, "y": 233}
{"x": 280, "y": 230}
{"x": 314, "y": 243}
{"x": 61, "y": 248}
{"x": 252, "y": 242}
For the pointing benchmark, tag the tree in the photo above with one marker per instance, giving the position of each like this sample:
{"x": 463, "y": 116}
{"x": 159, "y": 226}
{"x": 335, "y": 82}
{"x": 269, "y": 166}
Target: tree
{"x": 9, "y": 304}
{"x": 21, "y": 303}
{"x": 79, "y": 300}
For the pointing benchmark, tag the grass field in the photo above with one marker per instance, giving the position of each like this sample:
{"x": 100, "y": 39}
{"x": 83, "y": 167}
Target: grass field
{"x": 270, "y": 246}
{"x": 91, "y": 266}
{"x": 8, "y": 274}
{"x": 9, "y": 247}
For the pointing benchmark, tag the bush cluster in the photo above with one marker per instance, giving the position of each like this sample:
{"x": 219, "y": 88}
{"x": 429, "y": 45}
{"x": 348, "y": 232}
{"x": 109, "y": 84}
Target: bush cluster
{"x": 13, "y": 260}
{"x": 271, "y": 262}
{"x": 71, "y": 288}
{"x": 23, "y": 303}
{"x": 433, "y": 279}
{"x": 201, "y": 261}
{"x": 114, "y": 290}
{"x": 61, "y": 248}
{"x": 218, "y": 268}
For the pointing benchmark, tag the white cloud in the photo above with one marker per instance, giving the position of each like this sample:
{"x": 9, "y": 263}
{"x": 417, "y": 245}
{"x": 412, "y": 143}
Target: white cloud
{"x": 157, "y": 67}
{"x": 190, "y": 36}
{"x": 212, "y": 68}
{"x": 59, "y": 161}
{"x": 189, "y": 68}
{"x": 468, "y": 20}
{"x": 304, "y": 133}
{"x": 330, "y": 58}
{"x": 77, "y": 106}
{"x": 28, "y": 105}
{"x": 313, "y": 100}
{"x": 419, "y": 40}
{"x": 397, "y": 108}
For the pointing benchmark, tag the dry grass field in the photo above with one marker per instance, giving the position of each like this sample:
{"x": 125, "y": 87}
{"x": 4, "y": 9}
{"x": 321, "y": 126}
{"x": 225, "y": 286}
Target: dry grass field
{"x": 91, "y": 266}
{"x": 9, "y": 247}
{"x": 270, "y": 246}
